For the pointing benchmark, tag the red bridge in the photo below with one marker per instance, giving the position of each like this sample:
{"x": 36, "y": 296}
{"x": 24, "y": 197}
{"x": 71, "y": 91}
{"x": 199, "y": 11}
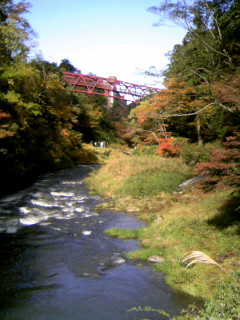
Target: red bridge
{"x": 107, "y": 87}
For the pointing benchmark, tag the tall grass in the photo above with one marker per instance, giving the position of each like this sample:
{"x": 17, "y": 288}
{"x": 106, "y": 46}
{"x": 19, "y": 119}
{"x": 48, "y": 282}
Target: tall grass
{"x": 139, "y": 176}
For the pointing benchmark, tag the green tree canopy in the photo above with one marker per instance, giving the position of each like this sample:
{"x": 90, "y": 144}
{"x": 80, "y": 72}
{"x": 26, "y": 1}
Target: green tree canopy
{"x": 66, "y": 66}
{"x": 212, "y": 41}
{"x": 15, "y": 31}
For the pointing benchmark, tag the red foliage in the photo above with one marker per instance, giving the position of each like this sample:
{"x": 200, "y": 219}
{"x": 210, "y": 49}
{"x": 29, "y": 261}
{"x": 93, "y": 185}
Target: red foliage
{"x": 4, "y": 115}
{"x": 168, "y": 148}
{"x": 233, "y": 141}
{"x": 4, "y": 126}
{"x": 222, "y": 169}
{"x": 227, "y": 91}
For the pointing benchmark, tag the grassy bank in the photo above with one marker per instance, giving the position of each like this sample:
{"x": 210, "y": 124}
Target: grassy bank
{"x": 178, "y": 223}
{"x": 138, "y": 176}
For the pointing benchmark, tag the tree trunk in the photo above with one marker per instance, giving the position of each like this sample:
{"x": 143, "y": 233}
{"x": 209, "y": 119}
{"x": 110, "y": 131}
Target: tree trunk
{"x": 199, "y": 130}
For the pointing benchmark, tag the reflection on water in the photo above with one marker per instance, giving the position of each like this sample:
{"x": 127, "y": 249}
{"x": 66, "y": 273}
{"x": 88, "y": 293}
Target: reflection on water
{"x": 57, "y": 263}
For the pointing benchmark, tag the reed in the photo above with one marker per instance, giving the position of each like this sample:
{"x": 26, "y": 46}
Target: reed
{"x": 200, "y": 257}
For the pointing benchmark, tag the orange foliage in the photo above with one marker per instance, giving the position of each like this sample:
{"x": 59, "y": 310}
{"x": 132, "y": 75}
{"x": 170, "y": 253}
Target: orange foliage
{"x": 65, "y": 133}
{"x": 168, "y": 148}
{"x": 144, "y": 112}
{"x": 4, "y": 127}
{"x": 6, "y": 133}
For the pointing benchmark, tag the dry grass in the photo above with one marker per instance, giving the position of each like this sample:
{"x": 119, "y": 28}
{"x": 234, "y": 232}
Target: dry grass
{"x": 126, "y": 175}
{"x": 200, "y": 257}
{"x": 124, "y": 166}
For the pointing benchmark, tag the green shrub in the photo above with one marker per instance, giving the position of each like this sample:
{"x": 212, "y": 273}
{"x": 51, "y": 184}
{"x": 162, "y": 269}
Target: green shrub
{"x": 146, "y": 151}
{"x": 192, "y": 153}
{"x": 224, "y": 306}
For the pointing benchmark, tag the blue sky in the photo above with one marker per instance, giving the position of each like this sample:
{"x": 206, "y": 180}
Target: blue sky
{"x": 106, "y": 37}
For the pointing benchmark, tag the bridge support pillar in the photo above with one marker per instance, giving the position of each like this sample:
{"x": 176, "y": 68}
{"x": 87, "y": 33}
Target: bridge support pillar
{"x": 110, "y": 99}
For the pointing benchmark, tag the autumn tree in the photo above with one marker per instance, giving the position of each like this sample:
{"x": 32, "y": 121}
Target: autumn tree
{"x": 175, "y": 110}
{"x": 206, "y": 62}
{"x": 149, "y": 127}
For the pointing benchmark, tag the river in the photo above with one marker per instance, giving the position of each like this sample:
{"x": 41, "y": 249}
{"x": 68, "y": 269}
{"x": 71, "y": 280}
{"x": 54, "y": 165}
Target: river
{"x": 57, "y": 263}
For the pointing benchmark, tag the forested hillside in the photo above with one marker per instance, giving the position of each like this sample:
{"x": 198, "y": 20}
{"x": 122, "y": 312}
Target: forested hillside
{"x": 43, "y": 124}
{"x": 201, "y": 99}
{"x": 197, "y": 114}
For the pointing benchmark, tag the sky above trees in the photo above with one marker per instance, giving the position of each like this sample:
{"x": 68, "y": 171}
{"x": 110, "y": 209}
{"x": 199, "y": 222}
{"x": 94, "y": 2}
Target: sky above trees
{"x": 107, "y": 38}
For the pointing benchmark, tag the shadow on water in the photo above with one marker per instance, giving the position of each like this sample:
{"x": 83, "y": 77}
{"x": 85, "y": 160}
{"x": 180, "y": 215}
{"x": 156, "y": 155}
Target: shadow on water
{"x": 58, "y": 264}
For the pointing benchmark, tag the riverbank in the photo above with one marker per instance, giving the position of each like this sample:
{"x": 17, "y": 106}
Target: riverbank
{"x": 178, "y": 223}
{"x": 17, "y": 176}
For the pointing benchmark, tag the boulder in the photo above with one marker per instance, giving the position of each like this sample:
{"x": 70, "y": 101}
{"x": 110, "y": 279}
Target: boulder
{"x": 156, "y": 259}
{"x": 192, "y": 182}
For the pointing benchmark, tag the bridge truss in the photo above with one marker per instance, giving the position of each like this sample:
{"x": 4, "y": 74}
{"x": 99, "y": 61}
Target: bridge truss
{"x": 108, "y": 87}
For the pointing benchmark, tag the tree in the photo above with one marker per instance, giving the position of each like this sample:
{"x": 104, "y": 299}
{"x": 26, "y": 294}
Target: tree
{"x": 146, "y": 122}
{"x": 66, "y": 66}
{"x": 44, "y": 66}
{"x": 42, "y": 121}
{"x": 206, "y": 63}
{"x": 210, "y": 48}
{"x": 15, "y": 31}
{"x": 206, "y": 22}
{"x": 174, "y": 110}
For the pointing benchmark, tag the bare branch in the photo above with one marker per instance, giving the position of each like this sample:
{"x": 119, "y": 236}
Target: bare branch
{"x": 191, "y": 113}
{"x": 197, "y": 112}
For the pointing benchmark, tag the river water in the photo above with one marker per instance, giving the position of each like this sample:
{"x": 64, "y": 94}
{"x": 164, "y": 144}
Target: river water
{"x": 57, "y": 263}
